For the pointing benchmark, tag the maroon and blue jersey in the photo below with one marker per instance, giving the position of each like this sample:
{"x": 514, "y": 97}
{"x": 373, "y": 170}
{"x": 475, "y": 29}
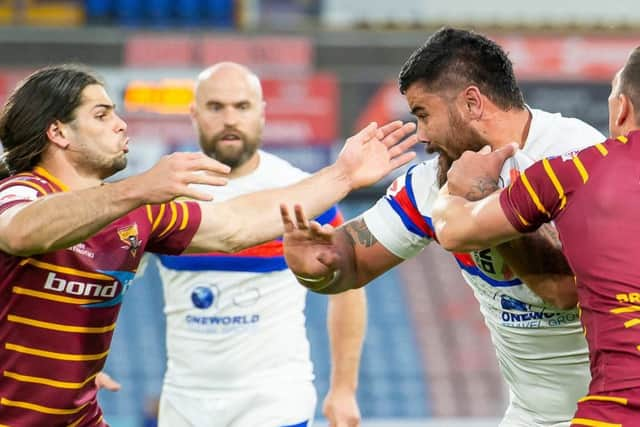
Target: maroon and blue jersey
{"x": 59, "y": 309}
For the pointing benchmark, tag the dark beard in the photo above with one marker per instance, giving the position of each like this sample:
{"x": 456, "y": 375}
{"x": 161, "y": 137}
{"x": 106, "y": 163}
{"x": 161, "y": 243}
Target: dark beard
{"x": 444, "y": 163}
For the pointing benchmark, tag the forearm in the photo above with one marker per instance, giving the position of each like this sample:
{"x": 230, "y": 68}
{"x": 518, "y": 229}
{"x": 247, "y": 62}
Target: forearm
{"x": 62, "y": 220}
{"x": 538, "y": 260}
{"x": 254, "y": 218}
{"x": 346, "y": 323}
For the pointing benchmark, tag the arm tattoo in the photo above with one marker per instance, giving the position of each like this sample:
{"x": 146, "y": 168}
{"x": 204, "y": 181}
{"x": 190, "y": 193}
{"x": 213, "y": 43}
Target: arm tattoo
{"x": 358, "y": 233}
{"x": 481, "y": 188}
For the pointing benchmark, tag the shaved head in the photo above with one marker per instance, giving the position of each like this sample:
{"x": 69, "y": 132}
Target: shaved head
{"x": 228, "y": 114}
{"x": 230, "y": 70}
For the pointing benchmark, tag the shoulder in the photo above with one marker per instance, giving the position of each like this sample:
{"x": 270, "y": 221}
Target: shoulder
{"x": 553, "y": 134}
{"x": 26, "y": 184}
{"x": 272, "y": 166}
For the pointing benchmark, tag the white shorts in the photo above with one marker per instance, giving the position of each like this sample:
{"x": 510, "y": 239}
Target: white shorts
{"x": 515, "y": 416}
{"x": 265, "y": 406}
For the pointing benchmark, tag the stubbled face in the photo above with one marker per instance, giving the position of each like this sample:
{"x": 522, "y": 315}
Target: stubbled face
{"x": 614, "y": 106}
{"x": 98, "y": 143}
{"x": 441, "y": 126}
{"x": 228, "y": 114}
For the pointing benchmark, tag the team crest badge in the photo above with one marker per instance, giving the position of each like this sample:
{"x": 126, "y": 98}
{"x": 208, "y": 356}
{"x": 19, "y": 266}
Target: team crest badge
{"x": 129, "y": 235}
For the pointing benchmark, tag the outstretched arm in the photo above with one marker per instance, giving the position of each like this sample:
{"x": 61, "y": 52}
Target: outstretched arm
{"x": 251, "y": 219}
{"x": 346, "y": 323}
{"x": 60, "y": 220}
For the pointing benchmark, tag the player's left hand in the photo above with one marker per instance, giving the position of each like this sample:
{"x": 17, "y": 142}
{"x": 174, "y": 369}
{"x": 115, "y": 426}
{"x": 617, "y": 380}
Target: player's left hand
{"x": 373, "y": 152}
{"x": 103, "y": 380}
{"x": 340, "y": 407}
{"x": 475, "y": 174}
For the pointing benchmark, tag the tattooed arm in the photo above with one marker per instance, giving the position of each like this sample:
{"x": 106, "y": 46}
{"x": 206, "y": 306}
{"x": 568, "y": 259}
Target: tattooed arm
{"x": 328, "y": 260}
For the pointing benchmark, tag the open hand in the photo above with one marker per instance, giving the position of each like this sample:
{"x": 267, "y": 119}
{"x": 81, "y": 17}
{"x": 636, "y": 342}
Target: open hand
{"x": 372, "y": 153}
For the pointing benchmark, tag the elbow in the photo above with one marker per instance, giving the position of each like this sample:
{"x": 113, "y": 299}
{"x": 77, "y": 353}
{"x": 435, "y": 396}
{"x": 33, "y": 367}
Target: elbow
{"x": 19, "y": 244}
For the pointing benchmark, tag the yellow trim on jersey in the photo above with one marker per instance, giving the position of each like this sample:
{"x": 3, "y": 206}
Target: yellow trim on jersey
{"x": 156, "y": 223}
{"x": 185, "y": 216}
{"x": 149, "y": 214}
{"x": 174, "y": 217}
{"x": 602, "y": 149}
{"x": 628, "y": 309}
{"x": 631, "y": 323}
{"x": 40, "y": 408}
{"x": 522, "y": 220}
{"x": 622, "y": 139}
{"x": 580, "y": 166}
{"x": 42, "y": 171}
{"x": 620, "y": 400}
{"x": 54, "y": 355}
{"x": 556, "y": 182}
{"x": 65, "y": 270}
{"x": 51, "y": 297}
{"x": 59, "y": 326}
{"x": 592, "y": 423}
{"x": 532, "y": 194}
{"x": 48, "y": 381}
{"x": 77, "y": 422}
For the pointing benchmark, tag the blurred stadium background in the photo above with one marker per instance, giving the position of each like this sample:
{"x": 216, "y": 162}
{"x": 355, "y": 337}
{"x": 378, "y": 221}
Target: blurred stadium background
{"x": 327, "y": 68}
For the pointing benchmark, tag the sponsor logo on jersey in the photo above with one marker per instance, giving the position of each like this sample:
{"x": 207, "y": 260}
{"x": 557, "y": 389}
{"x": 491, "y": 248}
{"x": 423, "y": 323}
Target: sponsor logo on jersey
{"x": 129, "y": 235}
{"x": 78, "y": 288}
{"x": 82, "y": 249}
{"x": 205, "y": 298}
{"x": 202, "y": 297}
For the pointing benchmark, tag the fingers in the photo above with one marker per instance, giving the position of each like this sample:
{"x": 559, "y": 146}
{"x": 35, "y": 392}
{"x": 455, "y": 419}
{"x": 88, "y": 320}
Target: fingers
{"x": 366, "y": 133}
{"x": 286, "y": 218}
{"x": 398, "y": 134}
{"x": 301, "y": 219}
{"x": 388, "y": 128}
{"x": 402, "y": 147}
{"x": 503, "y": 153}
{"x": 105, "y": 381}
{"x": 402, "y": 160}
{"x": 205, "y": 163}
{"x": 206, "y": 178}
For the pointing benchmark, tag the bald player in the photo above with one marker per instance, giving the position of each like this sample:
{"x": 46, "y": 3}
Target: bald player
{"x": 238, "y": 354}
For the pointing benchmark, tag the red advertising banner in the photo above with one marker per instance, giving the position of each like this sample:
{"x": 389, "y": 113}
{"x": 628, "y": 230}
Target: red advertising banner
{"x": 567, "y": 58}
{"x": 299, "y": 111}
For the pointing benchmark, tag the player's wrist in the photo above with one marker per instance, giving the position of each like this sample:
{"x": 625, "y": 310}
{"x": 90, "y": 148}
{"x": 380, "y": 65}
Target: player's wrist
{"x": 317, "y": 283}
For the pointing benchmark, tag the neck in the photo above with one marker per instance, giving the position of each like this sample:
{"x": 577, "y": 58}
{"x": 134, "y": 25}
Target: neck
{"x": 246, "y": 168}
{"x": 67, "y": 174}
{"x": 509, "y": 126}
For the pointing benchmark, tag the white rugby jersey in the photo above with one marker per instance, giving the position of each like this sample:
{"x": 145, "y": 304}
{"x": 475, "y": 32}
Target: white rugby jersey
{"x": 237, "y": 320}
{"x": 541, "y": 350}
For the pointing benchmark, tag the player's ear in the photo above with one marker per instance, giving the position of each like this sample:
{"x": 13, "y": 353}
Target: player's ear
{"x": 474, "y": 103}
{"x": 625, "y": 110}
{"x": 56, "y": 133}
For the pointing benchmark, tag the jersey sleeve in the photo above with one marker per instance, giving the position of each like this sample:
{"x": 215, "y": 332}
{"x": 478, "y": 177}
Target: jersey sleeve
{"x": 539, "y": 194}
{"x": 173, "y": 225}
{"x": 331, "y": 216}
{"x": 21, "y": 189}
{"x": 398, "y": 220}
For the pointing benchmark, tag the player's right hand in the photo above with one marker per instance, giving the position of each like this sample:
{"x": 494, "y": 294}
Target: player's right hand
{"x": 172, "y": 176}
{"x": 308, "y": 247}
{"x": 475, "y": 175}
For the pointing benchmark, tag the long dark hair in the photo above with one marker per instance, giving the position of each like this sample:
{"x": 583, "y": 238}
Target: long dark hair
{"x": 49, "y": 94}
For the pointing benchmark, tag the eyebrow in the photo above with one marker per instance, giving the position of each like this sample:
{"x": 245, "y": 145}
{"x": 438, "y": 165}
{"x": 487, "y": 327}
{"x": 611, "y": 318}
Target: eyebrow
{"x": 107, "y": 106}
